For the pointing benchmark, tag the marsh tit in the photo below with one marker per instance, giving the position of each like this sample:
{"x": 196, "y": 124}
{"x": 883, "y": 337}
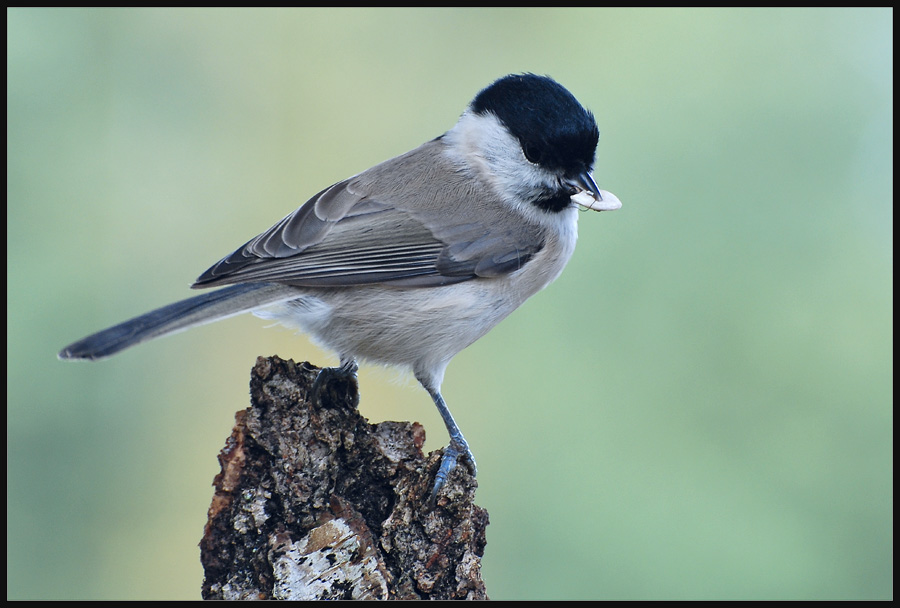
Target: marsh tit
{"x": 411, "y": 261}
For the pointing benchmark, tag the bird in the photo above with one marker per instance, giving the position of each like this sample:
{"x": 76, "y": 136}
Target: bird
{"x": 409, "y": 262}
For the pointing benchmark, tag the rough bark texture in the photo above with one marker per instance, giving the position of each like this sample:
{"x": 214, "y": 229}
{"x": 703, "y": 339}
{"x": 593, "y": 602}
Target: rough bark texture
{"x": 315, "y": 503}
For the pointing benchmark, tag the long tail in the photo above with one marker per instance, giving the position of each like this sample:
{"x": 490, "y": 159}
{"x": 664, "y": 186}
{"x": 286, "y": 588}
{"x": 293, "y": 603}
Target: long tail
{"x": 176, "y": 317}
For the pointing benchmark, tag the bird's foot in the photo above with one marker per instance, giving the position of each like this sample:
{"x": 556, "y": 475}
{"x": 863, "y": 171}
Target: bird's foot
{"x": 336, "y": 379}
{"x": 453, "y": 453}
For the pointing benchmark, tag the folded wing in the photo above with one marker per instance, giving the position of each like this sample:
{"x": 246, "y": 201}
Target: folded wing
{"x": 369, "y": 229}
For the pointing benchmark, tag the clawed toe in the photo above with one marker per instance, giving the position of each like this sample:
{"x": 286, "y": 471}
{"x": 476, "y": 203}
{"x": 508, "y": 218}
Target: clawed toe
{"x": 327, "y": 375}
{"x": 457, "y": 451}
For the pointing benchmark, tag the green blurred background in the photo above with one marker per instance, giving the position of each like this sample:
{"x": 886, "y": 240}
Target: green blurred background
{"x": 699, "y": 408}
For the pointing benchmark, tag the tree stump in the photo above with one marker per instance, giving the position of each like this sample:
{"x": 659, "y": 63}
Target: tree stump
{"x": 313, "y": 502}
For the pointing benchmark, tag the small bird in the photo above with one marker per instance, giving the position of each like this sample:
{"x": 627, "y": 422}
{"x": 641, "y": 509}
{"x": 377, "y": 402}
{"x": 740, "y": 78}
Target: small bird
{"x": 414, "y": 259}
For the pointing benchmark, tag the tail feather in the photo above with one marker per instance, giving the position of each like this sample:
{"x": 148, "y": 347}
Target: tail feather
{"x": 176, "y": 317}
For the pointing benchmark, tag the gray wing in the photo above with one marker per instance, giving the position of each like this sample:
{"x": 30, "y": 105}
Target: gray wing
{"x": 430, "y": 229}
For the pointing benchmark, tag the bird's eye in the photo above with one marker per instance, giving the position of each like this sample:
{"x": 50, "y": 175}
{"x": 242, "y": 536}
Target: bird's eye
{"x": 533, "y": 153}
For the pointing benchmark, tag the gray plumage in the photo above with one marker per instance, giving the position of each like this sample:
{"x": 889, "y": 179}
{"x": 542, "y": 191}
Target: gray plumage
{"x": 414, "y": 259}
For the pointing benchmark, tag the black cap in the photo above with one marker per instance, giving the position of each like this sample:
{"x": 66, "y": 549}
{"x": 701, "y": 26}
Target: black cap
{"x": 554, "y": 130}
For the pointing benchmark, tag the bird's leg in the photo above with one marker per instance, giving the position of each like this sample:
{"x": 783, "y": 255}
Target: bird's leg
{"x": 345, "y": 371}
{"x": 457, "y": 448}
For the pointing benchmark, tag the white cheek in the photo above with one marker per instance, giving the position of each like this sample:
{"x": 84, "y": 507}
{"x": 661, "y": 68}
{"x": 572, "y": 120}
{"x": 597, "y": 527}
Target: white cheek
{"x": 483, "y": 144}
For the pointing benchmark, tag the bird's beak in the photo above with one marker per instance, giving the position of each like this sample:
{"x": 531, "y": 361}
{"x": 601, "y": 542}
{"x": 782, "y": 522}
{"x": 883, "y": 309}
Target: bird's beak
{"x": 589, "y": 196}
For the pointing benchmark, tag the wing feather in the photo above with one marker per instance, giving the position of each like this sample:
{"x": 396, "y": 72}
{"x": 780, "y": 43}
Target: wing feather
{"x": 370, "y": 229}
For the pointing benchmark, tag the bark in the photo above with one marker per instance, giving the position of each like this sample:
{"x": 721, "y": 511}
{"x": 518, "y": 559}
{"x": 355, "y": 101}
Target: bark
{"x": 313, "y": 502}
